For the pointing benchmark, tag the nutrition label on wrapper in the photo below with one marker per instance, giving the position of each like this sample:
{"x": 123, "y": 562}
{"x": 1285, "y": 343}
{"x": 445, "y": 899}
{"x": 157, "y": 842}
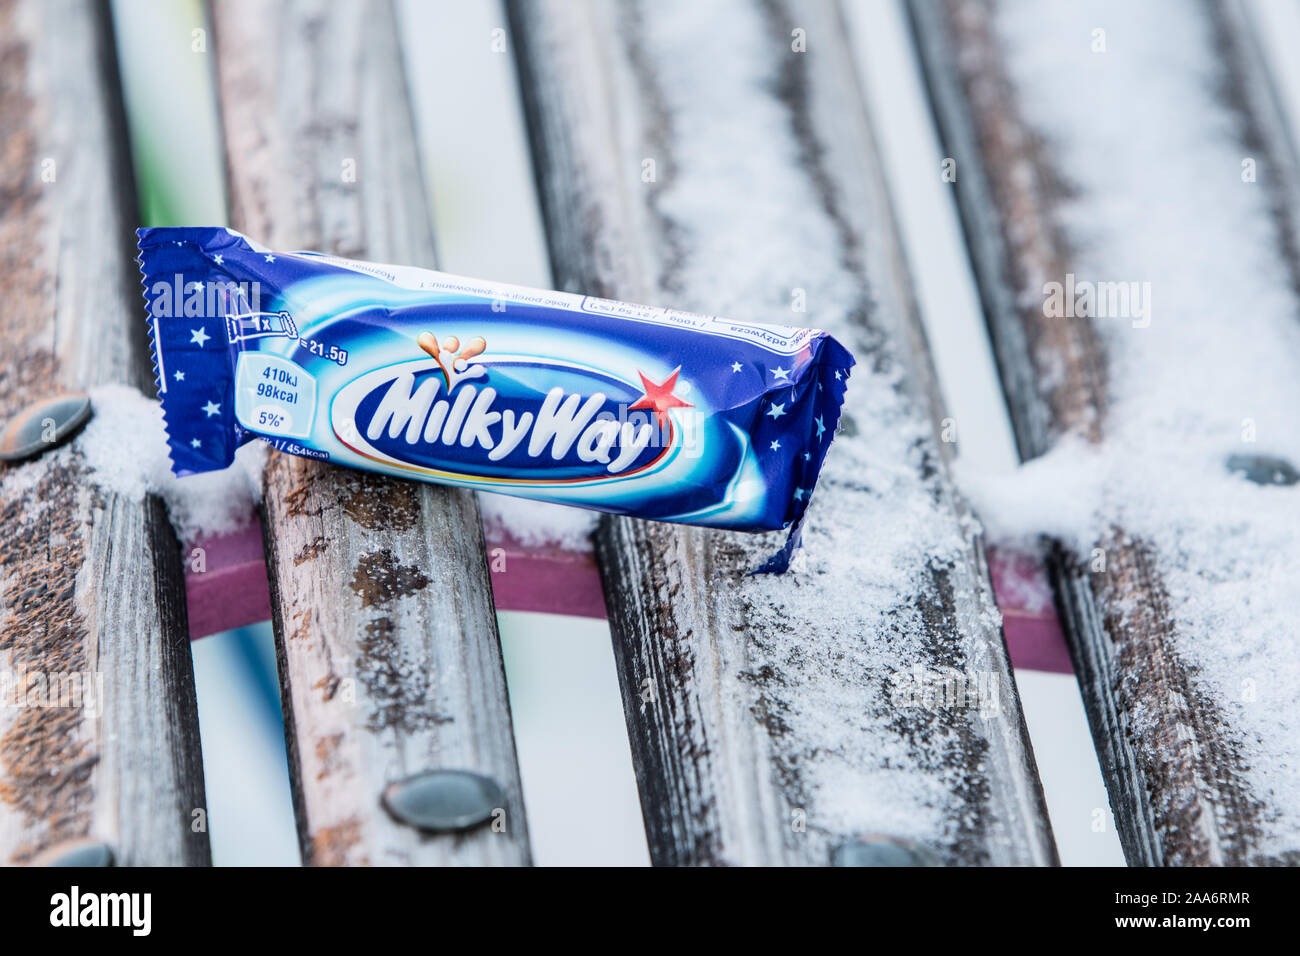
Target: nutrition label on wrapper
{"x": 273, "y": 395}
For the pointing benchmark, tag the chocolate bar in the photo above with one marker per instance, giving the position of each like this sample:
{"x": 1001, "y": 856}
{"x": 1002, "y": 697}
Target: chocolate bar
{"x": 565, "y": 398}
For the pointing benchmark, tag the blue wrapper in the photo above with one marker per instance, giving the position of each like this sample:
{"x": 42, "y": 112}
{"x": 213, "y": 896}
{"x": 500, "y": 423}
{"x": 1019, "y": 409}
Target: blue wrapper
{"x": 563, "y": 398}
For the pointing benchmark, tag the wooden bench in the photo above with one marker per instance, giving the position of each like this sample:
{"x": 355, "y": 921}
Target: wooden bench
{"x": 772, "y": 720}
{"x": 92, "y": 577}
{"x": 1195, "y": 764}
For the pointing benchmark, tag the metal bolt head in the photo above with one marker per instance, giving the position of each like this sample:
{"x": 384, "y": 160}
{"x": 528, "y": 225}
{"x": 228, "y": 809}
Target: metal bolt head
{"x": 86, "y": 851}
{"x": 443, "y": 800}
{"x": 1264, "y": 469}
{"x": 879, "y": 850}
{"x": 43, "y": 425}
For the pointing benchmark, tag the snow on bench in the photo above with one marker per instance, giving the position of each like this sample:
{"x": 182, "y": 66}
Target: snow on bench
{"x": 1130, "y": 220}
{"x": 98, "y": 724}
{"x": 695, "y": 156}
{"x": 717, "y": 159}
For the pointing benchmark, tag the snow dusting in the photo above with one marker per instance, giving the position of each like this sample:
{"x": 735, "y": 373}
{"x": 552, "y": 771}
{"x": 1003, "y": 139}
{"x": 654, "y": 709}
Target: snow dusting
{"x": 125, "y": 446}
{"x": 1057, "y": 494}
{"x": 538, "y": 524}
{"x": 745, "y": 213}
{"x": 1152, "y": 154}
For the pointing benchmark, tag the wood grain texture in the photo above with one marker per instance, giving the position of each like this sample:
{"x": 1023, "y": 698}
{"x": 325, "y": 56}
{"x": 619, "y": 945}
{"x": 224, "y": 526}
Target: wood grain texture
{"x": 99, "y": 734}
{"x": 759, "y": 709}
{"x": 390, "y": 661}
{"x": 1173, "y": 765}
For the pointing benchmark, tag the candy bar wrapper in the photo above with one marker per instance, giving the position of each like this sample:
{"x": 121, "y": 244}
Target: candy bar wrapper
{"x": 563, "y": 398}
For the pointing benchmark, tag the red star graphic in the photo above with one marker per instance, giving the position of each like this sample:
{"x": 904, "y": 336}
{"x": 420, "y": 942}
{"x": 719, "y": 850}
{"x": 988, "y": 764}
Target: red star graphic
{"x": 659, "y": 397}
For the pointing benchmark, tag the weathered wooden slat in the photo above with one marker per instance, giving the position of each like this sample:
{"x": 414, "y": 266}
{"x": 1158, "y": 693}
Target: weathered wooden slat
{"x": 390, "y": 660}
{"x": 1267, "y": 127}
{"x": 694, "y": 157}
{"x": 93, "y": 596}
{"x": 1173, "y": 620}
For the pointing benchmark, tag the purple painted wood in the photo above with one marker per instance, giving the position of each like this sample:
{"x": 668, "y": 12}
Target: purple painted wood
{"x": 1035, "y": 640}
{"x": 547, "y": 579}
{"x": 230, "y": 590}
{"x": 225, "y": 581}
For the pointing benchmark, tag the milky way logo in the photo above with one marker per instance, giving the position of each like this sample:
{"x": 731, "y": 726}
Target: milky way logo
{"x": 455, "y": 366}
{"x": 513, "y": 419}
